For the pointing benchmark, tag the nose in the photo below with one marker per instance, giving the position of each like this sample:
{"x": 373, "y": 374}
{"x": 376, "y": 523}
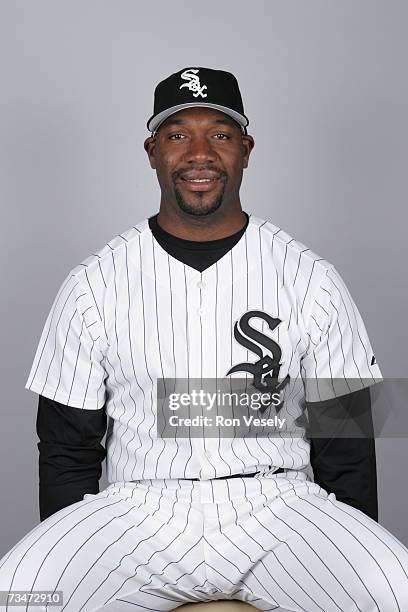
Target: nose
{"x": 200, "y": 150}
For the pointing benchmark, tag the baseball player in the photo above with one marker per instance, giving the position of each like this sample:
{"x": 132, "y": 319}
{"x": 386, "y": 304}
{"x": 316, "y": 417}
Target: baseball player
{"x": 203, "y": 291}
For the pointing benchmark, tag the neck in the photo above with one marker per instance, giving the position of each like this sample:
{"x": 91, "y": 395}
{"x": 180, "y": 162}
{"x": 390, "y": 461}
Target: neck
{"x": 214, "y": 227}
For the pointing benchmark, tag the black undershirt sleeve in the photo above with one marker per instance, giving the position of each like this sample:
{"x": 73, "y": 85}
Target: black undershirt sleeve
{"x": 70, "y": 453}
{"x": 346, "y": 466}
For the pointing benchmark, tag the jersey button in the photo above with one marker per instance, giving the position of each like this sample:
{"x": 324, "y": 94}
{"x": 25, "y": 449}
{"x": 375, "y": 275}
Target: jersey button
{"x": 201, "y": 311}
{"x": 208, "y": 454}
{"x": 201, "y": 285}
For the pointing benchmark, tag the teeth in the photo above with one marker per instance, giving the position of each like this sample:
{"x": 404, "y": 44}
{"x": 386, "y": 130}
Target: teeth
{"x": 206, "y": 180}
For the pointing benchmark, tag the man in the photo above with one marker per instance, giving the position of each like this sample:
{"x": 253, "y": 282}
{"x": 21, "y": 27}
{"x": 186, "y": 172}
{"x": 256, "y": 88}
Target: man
{"x": 204, "y": 291}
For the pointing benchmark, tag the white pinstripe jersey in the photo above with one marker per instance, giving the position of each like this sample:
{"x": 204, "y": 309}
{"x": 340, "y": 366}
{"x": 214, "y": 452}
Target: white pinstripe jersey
{"x": 131, "y": 313}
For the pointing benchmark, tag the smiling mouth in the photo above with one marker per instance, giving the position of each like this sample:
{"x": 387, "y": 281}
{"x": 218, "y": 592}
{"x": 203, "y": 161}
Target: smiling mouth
{"x": 202, "y": 184}
{"x": 201, "y": 180}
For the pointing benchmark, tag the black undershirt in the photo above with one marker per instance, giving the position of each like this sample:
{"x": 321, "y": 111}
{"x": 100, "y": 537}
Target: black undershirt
{"x": 198, "y": 255}
{"x": 71, "y": 452}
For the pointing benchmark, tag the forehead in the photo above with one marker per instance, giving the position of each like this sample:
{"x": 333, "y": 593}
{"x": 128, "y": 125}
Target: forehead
{"x": 199, "y": 115}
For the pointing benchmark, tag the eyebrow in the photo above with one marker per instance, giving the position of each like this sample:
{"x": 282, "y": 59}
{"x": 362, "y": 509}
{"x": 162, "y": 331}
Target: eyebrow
{"x": 179, "y": 121}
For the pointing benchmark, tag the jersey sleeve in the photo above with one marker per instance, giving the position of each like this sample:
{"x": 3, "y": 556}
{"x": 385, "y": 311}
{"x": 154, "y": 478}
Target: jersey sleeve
{"x": 68, "y": 364}
{"x": 339, "y": 358}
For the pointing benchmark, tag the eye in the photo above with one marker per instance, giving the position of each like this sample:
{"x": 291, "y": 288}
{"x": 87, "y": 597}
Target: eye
{"x": 178, "y": 134}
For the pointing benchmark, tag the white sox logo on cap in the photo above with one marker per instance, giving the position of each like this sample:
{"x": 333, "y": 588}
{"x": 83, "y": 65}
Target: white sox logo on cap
{"x": 194, "y": 82}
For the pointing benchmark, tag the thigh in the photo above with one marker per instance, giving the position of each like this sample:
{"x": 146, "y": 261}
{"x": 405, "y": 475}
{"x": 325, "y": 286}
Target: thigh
{"x": 302, "y": 550}
{"x": 119, "y": 547}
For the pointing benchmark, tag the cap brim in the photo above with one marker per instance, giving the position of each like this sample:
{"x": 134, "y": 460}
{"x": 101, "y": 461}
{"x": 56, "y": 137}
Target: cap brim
{"x": 156, "y": 120}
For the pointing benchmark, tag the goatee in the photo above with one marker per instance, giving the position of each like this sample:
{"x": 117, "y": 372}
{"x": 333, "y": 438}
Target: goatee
{"x": 200, "y": 209}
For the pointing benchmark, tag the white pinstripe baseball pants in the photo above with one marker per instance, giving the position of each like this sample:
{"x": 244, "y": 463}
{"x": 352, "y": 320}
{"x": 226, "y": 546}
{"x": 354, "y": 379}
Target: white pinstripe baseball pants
{"x": 278, "y": 543}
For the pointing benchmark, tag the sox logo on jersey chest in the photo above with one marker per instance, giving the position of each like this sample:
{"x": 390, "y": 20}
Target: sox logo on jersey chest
{"x": 266, "y": 370}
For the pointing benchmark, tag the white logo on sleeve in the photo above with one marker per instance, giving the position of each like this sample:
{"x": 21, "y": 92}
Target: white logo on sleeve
{"x": 194, "y": 82}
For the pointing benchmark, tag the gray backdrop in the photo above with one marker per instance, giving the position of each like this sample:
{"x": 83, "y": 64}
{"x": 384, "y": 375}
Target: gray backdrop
{"x": 325, "y": 89}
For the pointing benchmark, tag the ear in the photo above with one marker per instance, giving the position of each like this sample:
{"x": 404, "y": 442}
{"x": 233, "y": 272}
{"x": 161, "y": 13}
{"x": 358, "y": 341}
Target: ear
{"x": 248, "y": 144}
{"x": 150, "y": 146}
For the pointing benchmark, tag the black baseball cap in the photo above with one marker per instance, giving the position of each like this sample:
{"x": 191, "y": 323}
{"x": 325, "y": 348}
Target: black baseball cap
{"x": 198, "y": 86}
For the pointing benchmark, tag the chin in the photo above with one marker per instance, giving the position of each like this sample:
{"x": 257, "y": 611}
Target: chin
{"x": 198, "y": 211}
{"x": 198, "y": 208}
